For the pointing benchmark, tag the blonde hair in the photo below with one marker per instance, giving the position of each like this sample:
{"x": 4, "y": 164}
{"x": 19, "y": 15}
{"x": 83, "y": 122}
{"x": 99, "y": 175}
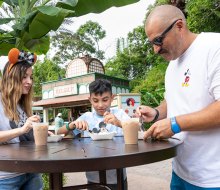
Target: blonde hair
{"x": 11, "y": 91}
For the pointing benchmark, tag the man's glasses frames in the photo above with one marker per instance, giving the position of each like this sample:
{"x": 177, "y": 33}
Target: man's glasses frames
{"x": 158, "y": 41}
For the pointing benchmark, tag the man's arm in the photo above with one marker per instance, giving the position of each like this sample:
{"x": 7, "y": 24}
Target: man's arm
{"x": 149, "y": 114}
{"x": 162, "y": 108}
{"x": 206, "y": 119}
{"x": 202, "y": 120}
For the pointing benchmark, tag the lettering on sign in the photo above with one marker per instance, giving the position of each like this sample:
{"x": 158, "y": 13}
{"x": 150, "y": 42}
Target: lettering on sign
{"x": 65, "y": 90}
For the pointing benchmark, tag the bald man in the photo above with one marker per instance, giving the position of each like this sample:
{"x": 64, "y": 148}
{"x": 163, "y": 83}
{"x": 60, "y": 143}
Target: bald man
{"x": 191, "y": 108}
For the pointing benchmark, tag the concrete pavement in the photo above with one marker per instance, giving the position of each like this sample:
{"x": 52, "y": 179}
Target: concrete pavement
{"x": 155, "y": 176}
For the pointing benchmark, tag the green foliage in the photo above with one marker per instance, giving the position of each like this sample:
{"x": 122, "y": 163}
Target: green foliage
{"x": 115, "y": 66}
{"x": 131, "y": 61}
{"x": 45, "y": 71}
{"x": 45, "y": 178}
{"x": 64, "y": 112}
{"x": 97, "y": 6}
{"x": 32, "y": 20}
{"x": 152, "y": 87}
{"x": 84, "y": 41}
{"x": 203, "y": 15}
{"x": 91, "y": 33}
{"x": 126, "y": 65}
{"x": 30, "y": 24}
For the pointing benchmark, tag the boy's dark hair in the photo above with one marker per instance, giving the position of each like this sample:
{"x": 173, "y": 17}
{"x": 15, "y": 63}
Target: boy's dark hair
{"x": 99, "y": 86}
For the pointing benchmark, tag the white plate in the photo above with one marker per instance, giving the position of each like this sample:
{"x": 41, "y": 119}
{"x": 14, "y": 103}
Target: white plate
{"x": 140, "y": 134}
{"x": 102, "y": 136}
{"x": 54, "y": 138}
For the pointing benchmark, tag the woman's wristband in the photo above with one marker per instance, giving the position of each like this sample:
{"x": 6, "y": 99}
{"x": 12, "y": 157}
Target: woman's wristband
{"x": 174, "y": 125}
{"x": 156, "y": 116}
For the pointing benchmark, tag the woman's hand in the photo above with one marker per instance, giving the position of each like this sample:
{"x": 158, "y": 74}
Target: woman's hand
{"x": 34, "y": 118}
{"x": 28, "y": 124}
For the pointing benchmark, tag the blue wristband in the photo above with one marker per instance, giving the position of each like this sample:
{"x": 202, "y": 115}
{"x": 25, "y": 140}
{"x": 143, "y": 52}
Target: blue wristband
{"x": 174, "y": 125}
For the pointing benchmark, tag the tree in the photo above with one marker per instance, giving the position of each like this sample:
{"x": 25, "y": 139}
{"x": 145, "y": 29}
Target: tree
{"x": 136, "y": 61}
{"x": 130, "y": 62}
{"x": 118, "y": 66}
{"x": 203, "y": 15}
{"x": 45, "y": 71}
{"x": 34, "y": 19}
{"x": 152, "y": 87}
{"x": 91, "y": 33}
{"x": 85, "y": 41}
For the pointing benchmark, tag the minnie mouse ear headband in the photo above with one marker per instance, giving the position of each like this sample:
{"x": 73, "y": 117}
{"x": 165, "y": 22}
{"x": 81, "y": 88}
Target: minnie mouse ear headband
{"x": 16, "y": 56}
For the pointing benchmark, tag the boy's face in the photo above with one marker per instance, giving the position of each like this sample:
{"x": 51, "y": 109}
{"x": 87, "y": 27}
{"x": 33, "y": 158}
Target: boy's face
{"x": 101, "y": 103}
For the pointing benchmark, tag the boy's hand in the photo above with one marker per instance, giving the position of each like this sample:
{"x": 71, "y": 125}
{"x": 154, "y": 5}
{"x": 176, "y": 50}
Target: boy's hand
{"x": 80, "y": 125}
{"x": 50, "y": 133}
{"x": 110, "y": 118}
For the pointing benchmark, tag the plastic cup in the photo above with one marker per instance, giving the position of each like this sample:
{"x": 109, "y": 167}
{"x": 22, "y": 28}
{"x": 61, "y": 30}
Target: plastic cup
{"x": 40, "y": 133}
{"x": 130, "y": 130}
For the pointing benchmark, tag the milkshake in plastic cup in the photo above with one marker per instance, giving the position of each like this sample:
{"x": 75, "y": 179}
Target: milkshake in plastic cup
{"x": 40, "y": 133}
{"x": 130, "y": 130}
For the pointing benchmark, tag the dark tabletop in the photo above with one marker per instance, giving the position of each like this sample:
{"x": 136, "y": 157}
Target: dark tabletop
{"x": 76, "y": 155}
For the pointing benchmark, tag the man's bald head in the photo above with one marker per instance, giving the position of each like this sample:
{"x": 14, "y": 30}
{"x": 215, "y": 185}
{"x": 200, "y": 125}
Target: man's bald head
{"x": 164, "y": 14}
{"x": 167, "y": 31}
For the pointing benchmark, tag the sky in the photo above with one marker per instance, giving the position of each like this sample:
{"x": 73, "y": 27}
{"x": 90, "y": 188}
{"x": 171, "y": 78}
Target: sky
{"x": 116, "y": 21}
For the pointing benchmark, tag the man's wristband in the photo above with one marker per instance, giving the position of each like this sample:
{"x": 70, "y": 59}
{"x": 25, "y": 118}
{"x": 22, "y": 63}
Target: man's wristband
{"x": 174, "y": 125}
{"x": 156, "y": 116}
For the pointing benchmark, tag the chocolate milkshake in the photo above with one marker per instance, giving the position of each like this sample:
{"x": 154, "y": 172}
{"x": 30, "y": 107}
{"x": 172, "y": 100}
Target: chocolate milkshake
{"x": 40, "y": 133}
{"x": 130, "y": 130}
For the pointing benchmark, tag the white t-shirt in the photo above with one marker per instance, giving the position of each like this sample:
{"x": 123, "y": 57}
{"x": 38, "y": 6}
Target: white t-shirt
{"x": 93, "y": 120}
{"x": 192, "y": 82}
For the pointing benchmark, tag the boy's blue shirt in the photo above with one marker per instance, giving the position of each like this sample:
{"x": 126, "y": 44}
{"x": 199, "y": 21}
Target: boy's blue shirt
{"x": 93, "y": 120}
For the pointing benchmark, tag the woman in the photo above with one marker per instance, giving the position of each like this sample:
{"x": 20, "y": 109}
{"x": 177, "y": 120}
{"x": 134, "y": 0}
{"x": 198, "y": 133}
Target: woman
{"x": 16, "y": 114}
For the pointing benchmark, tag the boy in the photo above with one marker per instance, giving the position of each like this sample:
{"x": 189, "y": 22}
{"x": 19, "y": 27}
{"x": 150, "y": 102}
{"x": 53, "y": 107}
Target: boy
{"x": 101, "y": 98}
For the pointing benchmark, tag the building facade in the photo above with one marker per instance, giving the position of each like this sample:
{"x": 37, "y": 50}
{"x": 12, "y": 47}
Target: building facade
{"x": 72, "y": 92}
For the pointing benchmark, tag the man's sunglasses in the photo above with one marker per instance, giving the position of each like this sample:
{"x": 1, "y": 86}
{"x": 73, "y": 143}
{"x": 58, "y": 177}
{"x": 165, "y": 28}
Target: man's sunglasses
{"x": 158, "y": 41}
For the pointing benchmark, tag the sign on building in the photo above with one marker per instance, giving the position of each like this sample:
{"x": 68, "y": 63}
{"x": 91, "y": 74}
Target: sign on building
{"x": 65, "y": 90}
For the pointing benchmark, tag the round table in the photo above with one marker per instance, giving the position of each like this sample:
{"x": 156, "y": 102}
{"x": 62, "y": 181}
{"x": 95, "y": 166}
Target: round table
{"x": 83, "y": 154}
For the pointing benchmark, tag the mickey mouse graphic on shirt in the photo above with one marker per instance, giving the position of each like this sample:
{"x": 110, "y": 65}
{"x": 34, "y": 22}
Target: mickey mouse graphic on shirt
{"x": 187, "y": 78}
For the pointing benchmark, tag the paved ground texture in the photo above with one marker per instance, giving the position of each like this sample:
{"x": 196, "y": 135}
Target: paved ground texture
{"x": 154, "y": 176}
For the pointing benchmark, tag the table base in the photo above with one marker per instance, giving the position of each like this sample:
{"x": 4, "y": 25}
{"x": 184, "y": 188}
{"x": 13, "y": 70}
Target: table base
{"x": 56, "y": 182}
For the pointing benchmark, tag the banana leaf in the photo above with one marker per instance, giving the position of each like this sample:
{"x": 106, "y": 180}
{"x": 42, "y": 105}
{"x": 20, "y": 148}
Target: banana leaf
{"x": 31, "y": 30}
